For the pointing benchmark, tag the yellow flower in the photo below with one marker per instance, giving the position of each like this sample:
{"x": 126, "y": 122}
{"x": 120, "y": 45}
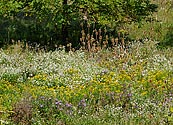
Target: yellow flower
{"x": 117, "y": 91}
{"x": 171, "y": 109}
{"x": 144, "y": 93}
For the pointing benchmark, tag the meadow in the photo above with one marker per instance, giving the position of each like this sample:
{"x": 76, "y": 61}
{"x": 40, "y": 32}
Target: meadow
{"x": 107, "y": 87}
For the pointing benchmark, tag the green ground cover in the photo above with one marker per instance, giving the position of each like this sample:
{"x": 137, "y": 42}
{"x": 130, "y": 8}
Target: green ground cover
{"x": 107, "y": 87}
{"x": 72, "y": 88}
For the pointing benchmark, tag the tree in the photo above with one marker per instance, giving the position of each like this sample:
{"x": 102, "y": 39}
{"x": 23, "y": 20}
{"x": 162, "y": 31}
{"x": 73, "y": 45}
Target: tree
{"x": 52, "y": 22}
{"x": 65, "y": 23}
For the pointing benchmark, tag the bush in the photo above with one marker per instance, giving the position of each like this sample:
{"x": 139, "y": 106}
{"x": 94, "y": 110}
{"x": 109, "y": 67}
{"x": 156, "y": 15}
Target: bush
{"x": 168, "y": 39}
{"x": 52, "y": 22}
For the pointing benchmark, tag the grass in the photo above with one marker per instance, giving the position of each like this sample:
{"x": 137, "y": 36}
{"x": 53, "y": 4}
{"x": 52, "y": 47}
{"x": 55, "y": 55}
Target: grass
{"x": 87, "y": 88}
{"x": 155, "y": 30}
{"x": 93, "y": 87}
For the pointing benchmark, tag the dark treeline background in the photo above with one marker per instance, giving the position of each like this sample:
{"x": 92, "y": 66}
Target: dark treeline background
{"x": 50, "y": 23}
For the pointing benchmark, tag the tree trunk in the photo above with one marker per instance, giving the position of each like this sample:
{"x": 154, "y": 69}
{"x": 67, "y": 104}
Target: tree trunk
{"x": 64, "y": 24}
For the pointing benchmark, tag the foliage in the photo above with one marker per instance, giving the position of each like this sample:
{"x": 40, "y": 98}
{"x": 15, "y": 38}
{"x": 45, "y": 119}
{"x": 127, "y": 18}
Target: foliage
{"x": 168, "y": 39}
{"x": 157, "y": 27}
{"x": 87, "y": 88}
{"x": 43, "y": 21}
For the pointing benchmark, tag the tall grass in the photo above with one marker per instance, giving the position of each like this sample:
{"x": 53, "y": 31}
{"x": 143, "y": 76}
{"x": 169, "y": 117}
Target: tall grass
{"x": 105, "y": 82}
{"x": 157, "y": 29}
{"x": 87, "y": 88}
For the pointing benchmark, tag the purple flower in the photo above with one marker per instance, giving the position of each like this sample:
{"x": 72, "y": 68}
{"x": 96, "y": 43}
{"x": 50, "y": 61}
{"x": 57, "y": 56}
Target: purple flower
{"x": 58, "y": 103}
{"x": 82, "y": 103}
{"x": 135, "y": 106}
{"x": 60, "y": 109}
{"x": 69, "y": 109}
{"x": 68, "y": 105}
{"x": 129, "y": 95}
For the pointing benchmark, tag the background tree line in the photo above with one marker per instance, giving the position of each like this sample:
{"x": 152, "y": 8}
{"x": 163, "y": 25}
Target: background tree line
{"x": 54, "y": 22}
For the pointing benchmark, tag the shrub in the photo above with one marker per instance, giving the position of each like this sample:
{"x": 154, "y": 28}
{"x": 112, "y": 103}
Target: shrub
{"x": 168, "y": 39}
{"x": 22, "y": 112}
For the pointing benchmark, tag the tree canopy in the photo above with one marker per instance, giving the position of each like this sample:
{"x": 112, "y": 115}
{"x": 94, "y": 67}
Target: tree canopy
{"x": 50, "y": 22}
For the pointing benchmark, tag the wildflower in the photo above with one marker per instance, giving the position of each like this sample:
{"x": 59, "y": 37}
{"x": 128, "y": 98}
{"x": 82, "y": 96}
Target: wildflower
{"x": 69, "y": 108}
{"x": 129, "y": 95}
{"x": 105, "y": 71}
{"x": 49, "y": 99}
{"x": 82, "y": 103}
{"x": 42, "y": 97}
{"x": 41, "y": 106}
{"x": 58, "y": 103}
{"x": 68, "y": 105}
{"x": 171, "y": 109}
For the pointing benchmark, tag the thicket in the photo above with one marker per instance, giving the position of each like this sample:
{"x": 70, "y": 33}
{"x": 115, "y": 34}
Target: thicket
{"x": 54, "y": 22}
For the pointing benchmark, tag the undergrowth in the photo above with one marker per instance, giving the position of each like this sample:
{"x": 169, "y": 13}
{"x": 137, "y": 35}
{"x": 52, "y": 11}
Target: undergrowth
{"x": 130, "y": 87}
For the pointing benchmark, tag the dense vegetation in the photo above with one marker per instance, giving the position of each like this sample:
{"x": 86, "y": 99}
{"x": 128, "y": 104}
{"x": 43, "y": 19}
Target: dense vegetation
{"x": 107, "y": 79}
{"x": 54, "y": 22}
{"x": 107, "y": 87}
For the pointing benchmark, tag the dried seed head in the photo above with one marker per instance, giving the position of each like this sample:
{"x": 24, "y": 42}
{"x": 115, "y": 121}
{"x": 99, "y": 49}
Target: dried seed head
{"x": 113, "y": 41}
{"x": 122, "y": 41}
{"x": 98, "y": 48}
{"x": 88, "y": 36}
{"x": 105, "y": 30}
{"x": 95, "y": 30}
{"x": 94, "y": 47}
{"x": 107, "y": 37}
{"x": 81, "y": 39}
{"x": 92, "y": 39}
{"x": 105, "y": 42}
{"x": 81, "y": 24}
{"x": 68, "y": 45}
{"x": 100, "y": 31}
{"x": 12, "y": 41}
{"x": 97, "y": 33}
{"x": 104, "y": 46}
{"x": 83, "y": 33}
{"x": 116, "y": 41}
{"x": 83, "y": 43}
{"x": 89, "y": 46}
{"x": 88, "y": 25}
{"x": 119, "y": 34}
